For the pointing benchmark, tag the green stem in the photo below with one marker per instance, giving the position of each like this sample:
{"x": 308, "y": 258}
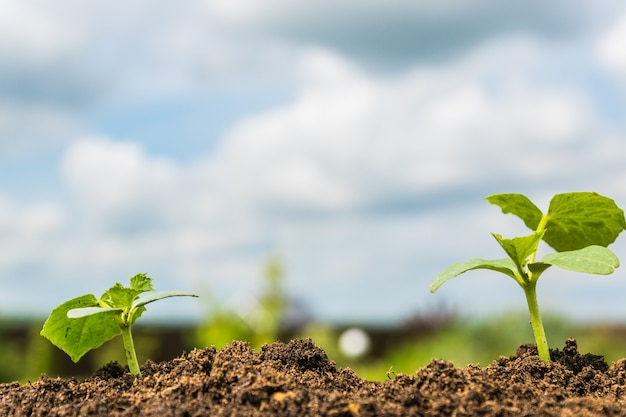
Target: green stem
{"x": 540, "y": 228}
{"x": 129, "y": 347}
{"x": 535, "y": 321}
{"x": 542, "y": 223}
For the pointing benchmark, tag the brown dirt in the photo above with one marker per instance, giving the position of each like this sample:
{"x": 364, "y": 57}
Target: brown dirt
{"x": 297, "y": 379}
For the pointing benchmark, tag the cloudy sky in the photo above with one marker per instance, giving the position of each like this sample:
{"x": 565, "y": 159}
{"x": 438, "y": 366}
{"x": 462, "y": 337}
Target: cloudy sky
{"x": 353, "y": 140}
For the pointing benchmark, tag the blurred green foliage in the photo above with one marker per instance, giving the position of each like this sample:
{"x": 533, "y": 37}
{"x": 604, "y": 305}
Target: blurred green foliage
{"x": 471, "y": 341}
{"x": 24, "y": 354}
{"x": 463, "y": 341}
{"x": 257, "y": 323}
{"x": 25, "y": 357}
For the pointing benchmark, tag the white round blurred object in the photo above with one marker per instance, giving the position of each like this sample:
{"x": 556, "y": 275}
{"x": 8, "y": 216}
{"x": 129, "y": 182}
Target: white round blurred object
{"x": 354, "y": 342}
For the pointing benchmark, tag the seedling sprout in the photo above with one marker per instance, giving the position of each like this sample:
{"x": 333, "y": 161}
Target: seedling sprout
{"x": 579, "y": 226}
{"x": 84, "y": 323}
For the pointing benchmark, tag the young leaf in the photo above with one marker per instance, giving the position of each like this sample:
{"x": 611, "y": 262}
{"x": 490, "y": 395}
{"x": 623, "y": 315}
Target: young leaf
{"x": 592, "y": 260}
{"x": 520, "y": 249}
{"x": 505, "y": 266}
{"x": 519, "y": 205}
{"x": 78, "y": 336}
{"x": 149, "y": 298}
{"x": 119, "y": 296}
{"x": 122, "y": 297}
{"x": 537, "y": 268}
{"x": 580, "y": 219}
{"x": 77, "y": 313}
{"x": 141, "y": 283}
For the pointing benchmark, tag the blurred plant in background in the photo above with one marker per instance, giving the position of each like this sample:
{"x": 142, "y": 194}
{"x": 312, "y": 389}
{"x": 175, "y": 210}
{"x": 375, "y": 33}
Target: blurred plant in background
{"x": 370, "y": 350}
{"x": 24, "y": 355}
{"x": 481, "y": 341}
{"x": 264, "y": 318}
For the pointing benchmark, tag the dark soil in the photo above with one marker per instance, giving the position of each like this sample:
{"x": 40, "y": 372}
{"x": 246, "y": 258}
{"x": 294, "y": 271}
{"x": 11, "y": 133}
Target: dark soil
{"x": 297, "y": 379}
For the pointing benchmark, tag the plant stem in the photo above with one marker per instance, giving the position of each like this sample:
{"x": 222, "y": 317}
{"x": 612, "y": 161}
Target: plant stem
{"x": 129, "y": 348}
{"x": 535, "y": 321}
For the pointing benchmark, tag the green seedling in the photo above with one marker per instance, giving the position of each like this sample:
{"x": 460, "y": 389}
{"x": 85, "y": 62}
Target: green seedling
{"x": 579, "y": 226}
{"x": 85, "y": 323}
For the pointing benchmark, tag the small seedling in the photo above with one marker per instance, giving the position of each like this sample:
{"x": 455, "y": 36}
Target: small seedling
{"x": 84, "y": 323}
{"x": 579, "y": 226}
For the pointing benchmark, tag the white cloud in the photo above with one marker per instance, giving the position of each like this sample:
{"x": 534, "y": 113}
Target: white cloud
{"x": 403, "y": 32}
{"x": 611, "y": 49}
{"x": 26, "y": 127}
{"x": 352, "y": 139}
{"x": 361, "y": 180}
{"x": 111, "y": 175}
{"x": 36, "y": 31}
{"x": 282, "y": 11}
{"x": 352, "y": 144}
{"x": 27, "y": 231}
{"x": 134, "y": 212}
{"x": 68, "y": 65}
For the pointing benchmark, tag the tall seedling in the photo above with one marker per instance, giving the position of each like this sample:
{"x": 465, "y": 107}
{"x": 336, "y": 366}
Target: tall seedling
{"x": 578, "y": 226}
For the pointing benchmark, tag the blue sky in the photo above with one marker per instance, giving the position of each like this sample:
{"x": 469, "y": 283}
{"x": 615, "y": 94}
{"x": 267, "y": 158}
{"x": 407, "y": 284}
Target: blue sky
{"x": 355, "y": 141}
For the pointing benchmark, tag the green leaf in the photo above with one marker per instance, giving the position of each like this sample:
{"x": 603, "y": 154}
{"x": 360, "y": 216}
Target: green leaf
{"x": 520, "y": 249}
{"x": 592, "y": 260}
{"x": 505, "y": 266}
{"x": 149, "y": 298}
{"x": 119, "y": 296}
{"x": 141, "y": 283}
{"x": 135, "y": 314}
{"x": 519, "y": 205}
{"x": 77, "y": 313}
{"x": 78, "y": 336}
{"x": 537, "y": 268}
{"x": 577, "y": 220}
{"x": 123, "y": 297}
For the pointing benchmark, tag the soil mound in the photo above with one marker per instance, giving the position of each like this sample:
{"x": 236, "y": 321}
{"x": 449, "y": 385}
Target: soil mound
{"x": 297, "y": 379}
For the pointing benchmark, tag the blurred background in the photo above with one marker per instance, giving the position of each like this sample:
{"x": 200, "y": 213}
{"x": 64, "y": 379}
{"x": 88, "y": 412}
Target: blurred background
{"x": 307, "y": 168}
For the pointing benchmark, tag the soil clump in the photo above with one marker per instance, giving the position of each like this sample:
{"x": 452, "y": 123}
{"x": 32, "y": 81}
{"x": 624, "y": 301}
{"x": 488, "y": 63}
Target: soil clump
{"x": 298, "y": 379}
